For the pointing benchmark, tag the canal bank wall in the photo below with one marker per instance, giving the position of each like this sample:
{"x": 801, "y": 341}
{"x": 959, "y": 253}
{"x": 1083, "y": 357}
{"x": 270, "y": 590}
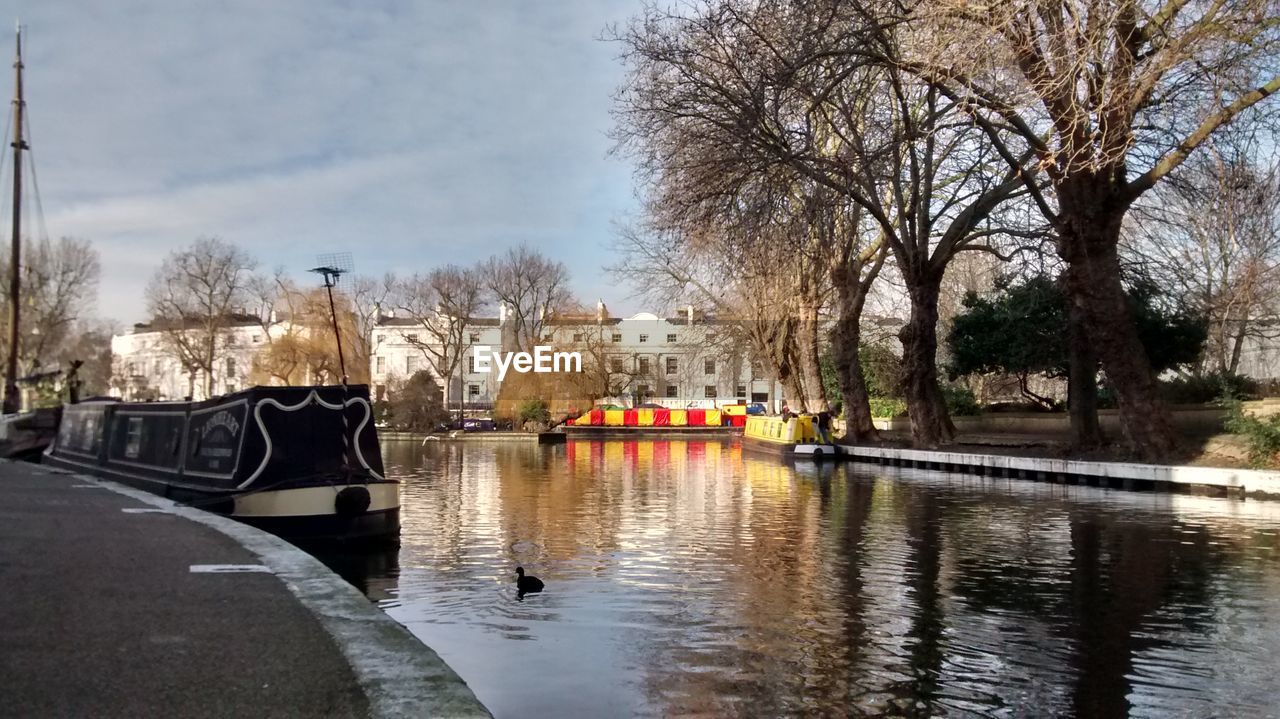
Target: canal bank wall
{"x": 1120, "y": 475}
{"x": 460, "y": 436}
{"x": 121, "y": 603}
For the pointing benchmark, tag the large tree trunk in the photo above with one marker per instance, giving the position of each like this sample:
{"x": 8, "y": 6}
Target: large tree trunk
{"x": 792, "y": 393}
{"x": 846, "y": 338}
{"x": 930, "y": 424}
{"x": 1237, "y": 346}
{"x": 1089, "y": 229}
{"x": 813, "y": 394}
{"x": 1082, "y": 380}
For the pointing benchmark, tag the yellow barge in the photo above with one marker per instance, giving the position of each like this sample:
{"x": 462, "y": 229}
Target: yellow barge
{"x": 793, "y": 438}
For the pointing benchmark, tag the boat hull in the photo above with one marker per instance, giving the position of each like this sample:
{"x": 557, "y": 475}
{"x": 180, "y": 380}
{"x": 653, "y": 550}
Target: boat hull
{"x": 300, "y": 462}
{"x": 794, "y": 438}
{"x": 794, "y": 451}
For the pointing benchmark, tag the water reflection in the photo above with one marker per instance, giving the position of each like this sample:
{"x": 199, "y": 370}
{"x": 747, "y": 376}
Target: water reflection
{"x": 686, "y": 578}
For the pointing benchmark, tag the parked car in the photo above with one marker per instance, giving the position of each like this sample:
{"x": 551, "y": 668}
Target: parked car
{"x": 756, "y": 408}
{"x": 483, "y": 424}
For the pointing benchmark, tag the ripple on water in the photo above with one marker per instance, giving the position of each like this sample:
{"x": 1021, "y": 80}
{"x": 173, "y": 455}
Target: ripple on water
{"x": 685, "y": 578}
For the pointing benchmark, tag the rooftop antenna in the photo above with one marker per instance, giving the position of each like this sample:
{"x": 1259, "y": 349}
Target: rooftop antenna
{"x": 332, "y": 267}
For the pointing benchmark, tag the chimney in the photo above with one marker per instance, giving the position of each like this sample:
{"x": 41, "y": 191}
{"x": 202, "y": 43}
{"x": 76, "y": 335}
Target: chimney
{"x": 689, "y": 313}
{"x": 502, "y": 313}
{"x": 601, "y": 312}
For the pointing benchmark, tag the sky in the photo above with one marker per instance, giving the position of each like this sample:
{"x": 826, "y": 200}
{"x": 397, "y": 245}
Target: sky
{"x": 410, "y": 134}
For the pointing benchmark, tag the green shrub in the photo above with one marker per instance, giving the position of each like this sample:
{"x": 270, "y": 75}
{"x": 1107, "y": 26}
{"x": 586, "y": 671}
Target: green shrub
{"x": 534, "y": 410}
{"x": 881, "y": 369}
{"x": 882, "y": 407}
{"x": 1262, "y": 435}
{"x": 1107, "y": 398}
{"x": 960, "y": 401}
{"x": 1208, "y": 388}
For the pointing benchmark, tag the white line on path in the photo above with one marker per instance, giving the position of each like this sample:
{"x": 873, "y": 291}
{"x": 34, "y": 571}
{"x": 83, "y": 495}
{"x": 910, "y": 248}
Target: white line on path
{"x": 401, "y": 676}
{"x": 229, "y": 568}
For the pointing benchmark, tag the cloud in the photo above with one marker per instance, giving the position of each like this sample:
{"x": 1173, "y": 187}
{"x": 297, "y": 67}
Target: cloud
{"x": 409, "y": 133}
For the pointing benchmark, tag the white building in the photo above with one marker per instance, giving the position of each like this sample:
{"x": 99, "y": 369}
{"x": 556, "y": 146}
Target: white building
{"x": 688, "y": 360}
{"x": 684, "y": 361}
{"x": 144, "y": 367}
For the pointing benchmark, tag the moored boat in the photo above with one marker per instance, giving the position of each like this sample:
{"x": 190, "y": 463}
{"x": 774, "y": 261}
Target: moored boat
{"x": 302, "y": 462}
{"x": 795, "y": 437}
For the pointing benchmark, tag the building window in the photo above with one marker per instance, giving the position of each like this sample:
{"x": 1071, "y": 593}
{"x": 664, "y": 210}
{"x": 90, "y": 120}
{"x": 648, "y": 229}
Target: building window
{"x": 709, "y": 391}
{"x": 757, "y": 370}
{"x": 471, "y": 364}
{"x": 411, "y": 363}
{"x": 411, "y": 338}
{"x": 709, "y": 366}
{"x": 671, "y": 365}
{"x": 230, "y": 388}
{"x": 673, "y": 391}
{"x": 231, "y": 366}
{"x": 577, "y": 336}
{"x": 257, "y": 339}
{"x": 671, "y": 338}
{"x": 643, "y": 390}
{"x": 711, "y": 336}
{"x": 381, "y": 364}
{"x": 742, "y": 390}
{"x": 617, "y": 336}
{"x": 382, "y": 338}
{"x": 475, "y": 337}
{"x": 473, "y": 390}
{"x": 644, "y": 338}
{"x": 615, "y": 364}
{"x": 644, "y": 365}
{"x": 380, "y": 392}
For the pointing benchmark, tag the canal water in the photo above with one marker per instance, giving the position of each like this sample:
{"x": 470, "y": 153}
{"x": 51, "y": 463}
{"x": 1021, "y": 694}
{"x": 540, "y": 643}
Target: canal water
{"x": 684, "y": 578}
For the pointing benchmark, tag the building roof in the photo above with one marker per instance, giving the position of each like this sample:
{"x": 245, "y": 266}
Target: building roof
{"x": 235, "y": 319}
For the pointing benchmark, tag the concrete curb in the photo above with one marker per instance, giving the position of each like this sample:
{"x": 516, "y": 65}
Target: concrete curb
{"x": 1260, "y": 484}
{"x": 401, "y": 676}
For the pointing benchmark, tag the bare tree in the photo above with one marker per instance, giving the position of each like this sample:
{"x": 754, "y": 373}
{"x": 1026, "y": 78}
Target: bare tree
{"x": 368, "y": 297}
{"x": 1111, "y": 97}
{"x": 531, "y": 286}
{"x": 59, "y": 288}
{"x": 1211, "y": 234}
{"x": 817, "y": 89}
{"x": 89, "y": 342}
{"x": 442, "y": 303}
{"x": 193, "y": 297}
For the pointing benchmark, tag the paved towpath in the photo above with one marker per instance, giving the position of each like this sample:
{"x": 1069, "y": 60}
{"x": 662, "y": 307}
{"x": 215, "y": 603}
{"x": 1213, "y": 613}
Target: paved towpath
{"x": 111, "y": 605}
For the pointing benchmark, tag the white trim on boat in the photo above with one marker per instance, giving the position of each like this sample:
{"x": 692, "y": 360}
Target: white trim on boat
{"x": 313, "y": 395}
{"x": 311, "y": 501}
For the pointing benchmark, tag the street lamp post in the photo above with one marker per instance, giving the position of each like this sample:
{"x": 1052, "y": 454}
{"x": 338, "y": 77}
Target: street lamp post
{"x": 331, "y": 275}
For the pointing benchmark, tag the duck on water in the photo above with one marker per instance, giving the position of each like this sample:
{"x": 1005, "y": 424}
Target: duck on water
{"x": 526, "y": 585}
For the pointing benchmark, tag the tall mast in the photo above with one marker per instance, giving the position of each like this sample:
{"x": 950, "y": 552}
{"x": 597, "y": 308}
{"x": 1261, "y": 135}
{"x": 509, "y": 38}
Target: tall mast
{"x": 11, "y": 364}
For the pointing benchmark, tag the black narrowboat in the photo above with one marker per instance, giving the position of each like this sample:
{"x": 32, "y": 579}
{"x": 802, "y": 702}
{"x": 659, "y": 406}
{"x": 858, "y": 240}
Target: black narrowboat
{"x": 301, "y": 462}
